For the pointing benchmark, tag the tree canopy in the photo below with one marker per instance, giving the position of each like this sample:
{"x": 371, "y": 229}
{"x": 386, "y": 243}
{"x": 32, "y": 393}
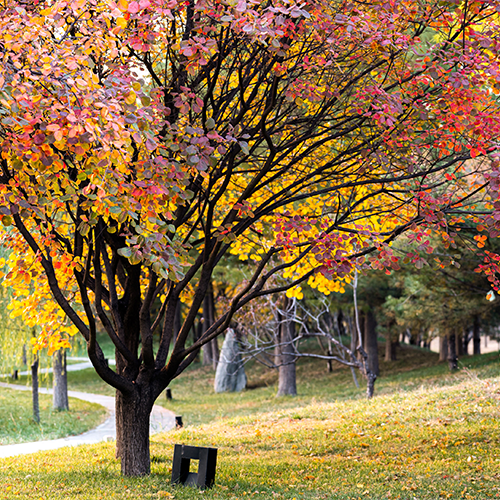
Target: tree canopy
{"x": 144, "y": 141}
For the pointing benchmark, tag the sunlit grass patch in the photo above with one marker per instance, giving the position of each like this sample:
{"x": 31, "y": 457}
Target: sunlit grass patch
{"x": 427, "y": 435}
{"x": 428, "y": 444}
{"x": 17, "y": 424}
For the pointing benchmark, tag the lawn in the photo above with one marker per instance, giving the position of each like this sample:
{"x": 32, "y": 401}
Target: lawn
{"x": 427, "y": 435}
{"x": 17, "y": 424}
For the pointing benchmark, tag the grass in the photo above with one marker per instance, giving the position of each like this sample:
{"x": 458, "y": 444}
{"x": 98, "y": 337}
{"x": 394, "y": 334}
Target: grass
{"x": 427, "y": 435}
{"x": 17, "y": 424}
{"x": 425, "y": 444}
{"x": 194, "y": 399}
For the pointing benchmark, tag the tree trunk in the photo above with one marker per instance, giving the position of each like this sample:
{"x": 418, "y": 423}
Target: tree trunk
{"x": 452, "y": 352}
{"x": 353, "y": 332}
{"x": 443, "y": 348}
{"x": 329, "y": 362}
{"x": 371, "y": 343}
{"x": 132, "y": 432}
{"x": 210, "y": 350}
{"x": 476, "y": 335}
{"x": 390, "y": 348}
{"x": 459, "y": 343}
{"x": 177, "y": 321}
{"x": 370, "y": 385}
{"x": 34, "y": 390}
{"x": 207, "y": 354}
{"x": 197, "y": 333}
{"x": 287, "y": 381}
{"x": 60, "y": 382}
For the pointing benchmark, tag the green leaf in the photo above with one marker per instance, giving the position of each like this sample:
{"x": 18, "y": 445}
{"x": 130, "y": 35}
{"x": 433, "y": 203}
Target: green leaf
{"x": 244, "y": 147}
{"x": 125, "y": 252}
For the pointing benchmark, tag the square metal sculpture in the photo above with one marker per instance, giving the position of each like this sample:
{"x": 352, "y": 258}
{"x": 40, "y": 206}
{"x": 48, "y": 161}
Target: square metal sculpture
{"x": 205, "y": 476}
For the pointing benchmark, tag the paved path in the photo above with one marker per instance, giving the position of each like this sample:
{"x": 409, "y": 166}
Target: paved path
{"x": 161, "y": 420}
{"x": 83, "y": 365}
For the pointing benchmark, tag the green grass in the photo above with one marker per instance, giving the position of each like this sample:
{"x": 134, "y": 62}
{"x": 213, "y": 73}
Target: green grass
{"x": 17, "y": 424}
{"x": 425, "y": 444}
{"x": 427, "y": 435}
{"x": 195, "y": 400}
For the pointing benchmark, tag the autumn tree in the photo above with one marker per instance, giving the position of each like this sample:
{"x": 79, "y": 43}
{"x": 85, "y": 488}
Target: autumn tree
{"x": 144, "y": 141}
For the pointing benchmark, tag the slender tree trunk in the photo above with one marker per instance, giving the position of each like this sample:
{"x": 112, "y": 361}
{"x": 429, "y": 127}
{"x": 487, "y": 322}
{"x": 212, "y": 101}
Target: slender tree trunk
{"x": 390, "y": 347}
{"x": 443, "y": 348}
{"x": 371, "y": 343}
{"x": 132, "y": 431}
{"x": 329, "y": 363}
{"x": 210, "y": 350}
{"x": 197, "y": 333}
{"x": 370, "y": 385}
{"x": 60, "y": 382}
{"x": 207, "y": 354}
{"x": 34, "y": 389}
{"x": 459, "y": 344}
{"x": 476, "y": 335}
{"x": 353, "y": 332}
{"x": 215, "y": 354}
{"x": 452, "y": 352}
{"x": 287, "y": 381}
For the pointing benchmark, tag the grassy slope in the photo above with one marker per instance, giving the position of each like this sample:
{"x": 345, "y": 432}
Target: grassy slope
{"x": 427, "y": 435}
{"x": 17, "y": 424}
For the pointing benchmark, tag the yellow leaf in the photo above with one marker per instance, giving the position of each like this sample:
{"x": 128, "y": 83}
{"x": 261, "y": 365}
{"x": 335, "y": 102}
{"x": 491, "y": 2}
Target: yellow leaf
{"x": 123, "y": 5}
{"x": 130, "y": 99}
{"x": 122, "y": 22}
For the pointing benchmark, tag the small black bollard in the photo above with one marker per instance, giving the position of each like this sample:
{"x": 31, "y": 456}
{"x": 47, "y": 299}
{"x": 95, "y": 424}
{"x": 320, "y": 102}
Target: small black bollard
{"x": 168, "y": 393}
{"x": 178, "y": 422}
{"x": 15, "y": 374}
{"x": 205, "y": 477}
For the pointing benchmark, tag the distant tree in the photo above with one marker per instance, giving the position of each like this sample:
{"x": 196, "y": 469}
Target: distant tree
{"x": 448, "y": 297}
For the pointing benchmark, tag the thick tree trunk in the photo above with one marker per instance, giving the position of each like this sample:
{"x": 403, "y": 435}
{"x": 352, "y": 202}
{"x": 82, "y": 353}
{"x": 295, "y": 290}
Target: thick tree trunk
{"x": 132, "y": 432}
{"x": 60, "y": 382}
{"x": 452, "y": 352}
{"x": 34, "y": 390}
{"x": 287, "y": 381}
{"x": 371, "y": 343}
{"x": 443, "y": 348}
{"x": 476, "y": 335}
{"x": 177, "y": 321}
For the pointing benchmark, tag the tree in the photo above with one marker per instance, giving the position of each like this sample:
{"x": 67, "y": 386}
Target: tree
{"x": 447, "y": 297}
{"x": 60, "y": 385}
{"x": 144, "y": 141}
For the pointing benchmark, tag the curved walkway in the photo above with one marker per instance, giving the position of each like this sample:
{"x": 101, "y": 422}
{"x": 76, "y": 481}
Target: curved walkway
{"x": 161, "y": 420}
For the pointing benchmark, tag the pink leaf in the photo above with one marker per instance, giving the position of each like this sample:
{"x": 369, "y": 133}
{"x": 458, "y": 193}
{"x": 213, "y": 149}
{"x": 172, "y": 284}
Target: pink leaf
{"x": 133, "y": 7}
